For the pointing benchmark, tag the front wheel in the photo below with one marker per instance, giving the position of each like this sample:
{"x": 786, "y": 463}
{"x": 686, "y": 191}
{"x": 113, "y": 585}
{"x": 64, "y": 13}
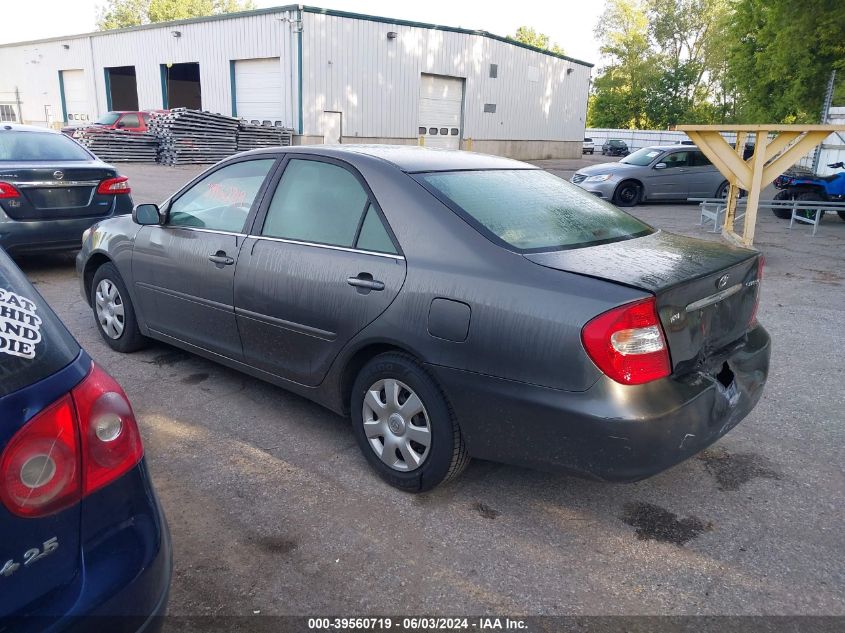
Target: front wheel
{"x": 627, "y": 194}
{"x": 404, "y": 425}
{"x": 114, "y": 312}
{"x": 783, "y": 214}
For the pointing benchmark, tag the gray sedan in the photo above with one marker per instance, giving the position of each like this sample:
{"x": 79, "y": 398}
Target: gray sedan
{"x": 662, "y": 172}
{"x": 452, "y": 304}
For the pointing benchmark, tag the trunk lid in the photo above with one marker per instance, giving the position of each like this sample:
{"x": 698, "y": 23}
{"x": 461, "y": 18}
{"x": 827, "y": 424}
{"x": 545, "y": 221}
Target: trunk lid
{"x": 56, "y": 191}
{"x": 706, "y": 291}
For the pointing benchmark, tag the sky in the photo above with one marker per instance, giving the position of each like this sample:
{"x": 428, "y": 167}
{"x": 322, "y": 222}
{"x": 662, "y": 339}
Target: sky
{"x": 570, "y": 23}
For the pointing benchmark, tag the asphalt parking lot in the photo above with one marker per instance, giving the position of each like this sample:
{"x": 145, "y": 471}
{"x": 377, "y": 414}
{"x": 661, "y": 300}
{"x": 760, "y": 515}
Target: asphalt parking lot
{"x": 273, "y": 509}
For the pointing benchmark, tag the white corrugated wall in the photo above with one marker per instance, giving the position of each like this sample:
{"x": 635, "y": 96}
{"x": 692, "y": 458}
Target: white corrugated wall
{"x": 351, "y": 66}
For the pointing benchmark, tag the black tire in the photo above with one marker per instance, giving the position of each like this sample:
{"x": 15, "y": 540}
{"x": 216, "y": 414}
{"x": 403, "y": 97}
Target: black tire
{"x": 130, "y": 338}
{"x": 783, "y": 214}
{"x": 627, "y": 194}
{"x": 722, "y": 192}
{"x": 809, "y": 196}
{"x": 447, "y": 455}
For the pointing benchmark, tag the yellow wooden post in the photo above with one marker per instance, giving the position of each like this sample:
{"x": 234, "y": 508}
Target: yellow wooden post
{"x": 769, "y": 160}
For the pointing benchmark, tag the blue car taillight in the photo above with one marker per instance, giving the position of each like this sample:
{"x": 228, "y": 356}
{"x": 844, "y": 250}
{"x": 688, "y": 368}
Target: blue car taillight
{"x": 80, "y": 443}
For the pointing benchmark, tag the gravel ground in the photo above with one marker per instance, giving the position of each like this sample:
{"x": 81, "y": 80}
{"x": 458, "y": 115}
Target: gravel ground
{"x": 273, "y": 509}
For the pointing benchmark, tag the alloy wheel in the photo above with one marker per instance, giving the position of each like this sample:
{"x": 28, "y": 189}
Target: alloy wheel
{"x": 396, "y": 425}
{"x": 109, "y": 307}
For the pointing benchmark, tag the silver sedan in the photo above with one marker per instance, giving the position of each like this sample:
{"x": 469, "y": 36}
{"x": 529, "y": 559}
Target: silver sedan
{"x": 662, "y": 172}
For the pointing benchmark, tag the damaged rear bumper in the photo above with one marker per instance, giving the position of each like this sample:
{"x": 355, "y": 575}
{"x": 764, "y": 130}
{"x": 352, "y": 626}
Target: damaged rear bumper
{"x": 610, "y": 432}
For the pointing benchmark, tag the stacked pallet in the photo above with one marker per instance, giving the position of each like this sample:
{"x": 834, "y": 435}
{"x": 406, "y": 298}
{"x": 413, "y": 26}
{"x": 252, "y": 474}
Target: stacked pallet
{"x": 189, "y": 137}
{"x": 114, "y": 146}
{"x": 254, "y": 136}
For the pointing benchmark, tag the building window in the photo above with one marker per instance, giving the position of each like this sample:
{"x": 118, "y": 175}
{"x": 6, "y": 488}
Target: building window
{"x": 7, "y": 112}
{"x": 494, "y": 71}
{"x": 454, "y": 131}
{"x": 432, "y": 131}
{"x": 444, "y": 131}
{"x": 490, "y": 108}
{"x": 421, "y": 131}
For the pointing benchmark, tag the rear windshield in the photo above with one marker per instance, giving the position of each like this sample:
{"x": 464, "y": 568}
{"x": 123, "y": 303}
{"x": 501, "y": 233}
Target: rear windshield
{"x": 17, "y": 146}
{"x": 34, "y": 343}
{"x": 642, "y": 157}
{"x": 532, "y": 210}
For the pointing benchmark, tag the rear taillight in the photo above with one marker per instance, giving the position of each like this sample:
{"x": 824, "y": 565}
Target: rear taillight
{"x": 39, "y": 470}
{"x": 761, "y": 262}
{"x": 83, "y": 441}
{"x": 8, "y": 191}
{"x": 111, "y": 443}
{"x": 627, "y": 343}
{"x": 120, "y": 184}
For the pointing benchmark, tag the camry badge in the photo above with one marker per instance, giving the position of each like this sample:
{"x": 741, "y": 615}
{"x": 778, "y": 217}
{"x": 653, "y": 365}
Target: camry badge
{"x": 723, "y": 281}
{"x": 58, "y": 175}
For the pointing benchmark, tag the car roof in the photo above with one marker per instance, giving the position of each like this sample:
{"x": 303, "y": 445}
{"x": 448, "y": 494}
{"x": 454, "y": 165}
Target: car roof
{"x": 17, "y": 127}
{"x": 412, "y": 158}
{"x": 678, "y": 146}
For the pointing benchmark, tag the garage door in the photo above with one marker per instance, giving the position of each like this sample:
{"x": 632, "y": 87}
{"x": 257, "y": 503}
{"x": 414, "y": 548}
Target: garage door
{"x": 258, "y": 89}
{"x": 441, "y": 99}
{"x": 77, "y": 106}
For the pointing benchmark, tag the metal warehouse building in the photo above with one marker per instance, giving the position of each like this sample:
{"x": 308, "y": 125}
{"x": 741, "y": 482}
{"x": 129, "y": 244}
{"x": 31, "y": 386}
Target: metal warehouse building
{"x": 331, "y": 76}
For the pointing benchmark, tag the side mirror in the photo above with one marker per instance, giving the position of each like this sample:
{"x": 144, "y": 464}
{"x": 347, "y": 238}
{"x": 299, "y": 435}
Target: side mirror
{"x": 660, "y": 166}
{"x": 146, "y": 214}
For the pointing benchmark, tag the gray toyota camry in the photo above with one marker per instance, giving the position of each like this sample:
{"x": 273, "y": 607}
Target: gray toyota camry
{"x": 452, "y": 304}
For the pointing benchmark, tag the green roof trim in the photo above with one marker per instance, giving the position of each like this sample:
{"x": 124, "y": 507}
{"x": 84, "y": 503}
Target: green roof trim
{"x": 307, "y": 9}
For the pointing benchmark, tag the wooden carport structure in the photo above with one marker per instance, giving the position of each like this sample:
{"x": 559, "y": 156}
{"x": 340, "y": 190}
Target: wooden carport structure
{"x": 776, "y": 148}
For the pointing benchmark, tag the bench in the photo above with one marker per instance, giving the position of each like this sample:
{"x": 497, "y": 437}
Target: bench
{"x": 713, "y": 210}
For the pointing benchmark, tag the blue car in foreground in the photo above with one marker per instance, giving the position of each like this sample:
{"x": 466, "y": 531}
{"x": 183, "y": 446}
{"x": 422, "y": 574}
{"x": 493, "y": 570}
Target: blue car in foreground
{"x": 84, "y": 545}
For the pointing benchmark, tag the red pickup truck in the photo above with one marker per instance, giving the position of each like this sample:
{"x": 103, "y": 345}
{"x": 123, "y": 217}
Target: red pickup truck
{"x": 131, "y": 121}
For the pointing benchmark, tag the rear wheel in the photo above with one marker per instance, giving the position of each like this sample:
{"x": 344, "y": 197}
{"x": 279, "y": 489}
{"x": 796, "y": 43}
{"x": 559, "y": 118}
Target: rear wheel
{"x": 809, "y": 196}
{"x": 627, "y": 194}
{"x": 114, "y": 312}
{"x": 404, "y": 425}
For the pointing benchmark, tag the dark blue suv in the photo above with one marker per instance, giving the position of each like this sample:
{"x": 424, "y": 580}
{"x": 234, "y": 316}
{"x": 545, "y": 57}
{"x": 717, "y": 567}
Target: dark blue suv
{"x": 84, "y": 545}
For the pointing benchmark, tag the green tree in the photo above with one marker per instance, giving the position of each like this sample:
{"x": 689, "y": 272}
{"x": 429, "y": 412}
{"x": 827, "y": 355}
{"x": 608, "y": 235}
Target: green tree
{"x": 780, "y": 55}
{"x": 527, "y": 35}
{"x": 664, "y": 64}
{"x": 117, "y": 14}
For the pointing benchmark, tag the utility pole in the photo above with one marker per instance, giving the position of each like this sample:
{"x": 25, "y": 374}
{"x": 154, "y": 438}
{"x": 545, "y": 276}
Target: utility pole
{"x": 828, "y": 99}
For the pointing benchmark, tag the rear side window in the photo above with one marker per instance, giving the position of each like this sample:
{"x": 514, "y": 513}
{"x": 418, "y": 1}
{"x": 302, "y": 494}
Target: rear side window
{"x": 700, "y": 160}
{"x": 532, "y": 210}
{"x": 34, "y": 343}
{"x": 316, "y": 202}
{"x": 373, "y": 235}
{"x": 39, "y": 146}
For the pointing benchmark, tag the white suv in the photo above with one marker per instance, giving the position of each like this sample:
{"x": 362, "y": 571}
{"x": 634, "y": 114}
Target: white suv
{"x": 589, "y": 147}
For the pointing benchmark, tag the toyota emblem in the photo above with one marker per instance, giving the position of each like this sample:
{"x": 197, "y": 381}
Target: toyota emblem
{"x": 723, "y": 281}
{"x": 58, "y": 175}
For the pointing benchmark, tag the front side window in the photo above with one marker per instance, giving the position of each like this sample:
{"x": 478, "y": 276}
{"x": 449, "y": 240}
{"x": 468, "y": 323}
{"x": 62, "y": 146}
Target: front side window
{"x": 676, "y": 159}
{"x": 129, "y": 120}
{"x": 221, "y": 201}
{"x": 532, "y": 210}
{"x": 39, "y": 146}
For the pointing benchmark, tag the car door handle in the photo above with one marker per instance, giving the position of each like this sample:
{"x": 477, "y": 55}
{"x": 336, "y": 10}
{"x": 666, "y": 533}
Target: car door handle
{"x": 365, "y": 282}
{"x": 221, "y": 259}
